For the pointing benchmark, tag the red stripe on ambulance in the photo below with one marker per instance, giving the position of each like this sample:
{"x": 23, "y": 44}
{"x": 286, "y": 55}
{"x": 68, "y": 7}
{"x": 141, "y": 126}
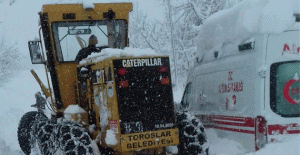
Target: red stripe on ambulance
{"x": 283, "y": 129}
{"x": 217, "y": 121}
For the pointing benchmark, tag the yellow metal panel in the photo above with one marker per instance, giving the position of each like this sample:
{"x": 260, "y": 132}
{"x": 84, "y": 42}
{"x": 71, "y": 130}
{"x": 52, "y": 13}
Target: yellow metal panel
{"x": 66, "y": 73}
{"x": 151, "y": 139}
{"x": 56, "y": 11}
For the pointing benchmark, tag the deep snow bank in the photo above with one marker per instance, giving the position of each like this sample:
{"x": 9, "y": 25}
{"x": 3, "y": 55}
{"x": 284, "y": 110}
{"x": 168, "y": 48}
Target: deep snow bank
{"x": 16, "y": 97}
{"x": 223, "y": 146}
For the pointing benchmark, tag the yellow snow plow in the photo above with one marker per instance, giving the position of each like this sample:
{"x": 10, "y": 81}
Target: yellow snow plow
{"x": 122, "y": 105}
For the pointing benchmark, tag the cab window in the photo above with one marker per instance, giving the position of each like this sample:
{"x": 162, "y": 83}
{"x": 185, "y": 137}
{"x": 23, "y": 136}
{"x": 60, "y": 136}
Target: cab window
{"x": 70, "y": 37}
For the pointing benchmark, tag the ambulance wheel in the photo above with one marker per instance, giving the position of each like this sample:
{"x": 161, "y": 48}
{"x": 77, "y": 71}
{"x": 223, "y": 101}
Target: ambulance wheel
{"x": 191, "y": 134}
{"x": 24, "y": 129}
{"x": 74, "y": 139}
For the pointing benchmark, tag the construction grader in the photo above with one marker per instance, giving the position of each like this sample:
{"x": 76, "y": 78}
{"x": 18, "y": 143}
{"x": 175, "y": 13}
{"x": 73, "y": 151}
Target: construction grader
{"x": 110, "y": 105}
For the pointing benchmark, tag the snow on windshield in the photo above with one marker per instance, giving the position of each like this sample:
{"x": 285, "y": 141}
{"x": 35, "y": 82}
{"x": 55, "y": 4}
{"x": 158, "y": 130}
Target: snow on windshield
{"x": 241, "y": 22}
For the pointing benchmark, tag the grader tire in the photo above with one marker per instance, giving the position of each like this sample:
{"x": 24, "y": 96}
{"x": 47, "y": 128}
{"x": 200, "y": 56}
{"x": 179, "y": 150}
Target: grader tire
{"x": 191, "y": 135}
{"x": 24, "y": 129}
{"x": 74, "y": 140}
{"x": 71, "y": 139}
{"x": 46, "y": 137}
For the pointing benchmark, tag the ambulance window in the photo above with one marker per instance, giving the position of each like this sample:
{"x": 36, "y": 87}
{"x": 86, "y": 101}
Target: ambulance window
{"x": 186, "y": 96}
{"x": 285, "y": 88}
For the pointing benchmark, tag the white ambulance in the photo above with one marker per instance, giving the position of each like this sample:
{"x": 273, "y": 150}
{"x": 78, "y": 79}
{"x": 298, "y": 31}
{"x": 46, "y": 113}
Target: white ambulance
{"x": 251, "y": 95}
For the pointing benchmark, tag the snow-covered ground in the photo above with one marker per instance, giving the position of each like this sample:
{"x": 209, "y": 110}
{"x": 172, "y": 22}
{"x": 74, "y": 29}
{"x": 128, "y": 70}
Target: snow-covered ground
{"x": 223, "y": 146}
{"x": 17, "y": 96}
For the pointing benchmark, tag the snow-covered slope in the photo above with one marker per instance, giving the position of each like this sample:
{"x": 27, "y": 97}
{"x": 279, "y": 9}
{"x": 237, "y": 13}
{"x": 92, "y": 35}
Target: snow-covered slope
{"x": 16, "y": 97}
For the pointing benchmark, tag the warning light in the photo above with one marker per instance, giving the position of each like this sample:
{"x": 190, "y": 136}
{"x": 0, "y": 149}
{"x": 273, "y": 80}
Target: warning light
{"x": 165, "y": 81}
{"x": 123, "y": 84}
{"x": 122, "y": 71}
{"x": 163, "y": 69}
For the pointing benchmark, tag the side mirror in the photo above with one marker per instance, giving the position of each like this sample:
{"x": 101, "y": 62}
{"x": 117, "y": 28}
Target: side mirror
{"x": 35, "y": 52}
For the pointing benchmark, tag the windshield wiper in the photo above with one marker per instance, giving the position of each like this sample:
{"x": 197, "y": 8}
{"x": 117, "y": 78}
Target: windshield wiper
{"x": 66, "y": 34}
{"x": 102, "y": 31}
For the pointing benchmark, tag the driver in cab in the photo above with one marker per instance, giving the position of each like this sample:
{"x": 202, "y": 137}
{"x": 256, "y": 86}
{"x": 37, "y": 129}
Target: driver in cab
{"x": 85, "y": 52}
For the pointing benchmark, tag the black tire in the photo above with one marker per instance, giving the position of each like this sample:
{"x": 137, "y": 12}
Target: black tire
{"x": 35, "y": 127}
{"x": 45, "y": 134}
{"x": 191, "y": 135}
{"x": 25, "y": 128}
{"x": 70, "y": 138}
{"x": 74, "y": 140}
{"x": 106, "y": 151}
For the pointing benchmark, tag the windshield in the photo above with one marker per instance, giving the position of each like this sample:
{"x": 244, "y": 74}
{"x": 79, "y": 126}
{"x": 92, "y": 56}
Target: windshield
{"x": 70, "y": 37}
{"x": 285, "y": 88}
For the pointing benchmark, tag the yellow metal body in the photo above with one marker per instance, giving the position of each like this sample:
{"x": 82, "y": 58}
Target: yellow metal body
{"x": 148, "y": 140}
{"x": 66, "y": 72}
{"x": 127, "y": 143}
{"x": 43, "y": 87}
{"x": 90, "y": 100}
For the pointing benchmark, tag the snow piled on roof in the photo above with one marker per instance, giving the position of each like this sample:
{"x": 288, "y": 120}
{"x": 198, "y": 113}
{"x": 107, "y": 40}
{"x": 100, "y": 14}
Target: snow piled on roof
{"x": 126, "y": 52}
{"x": 88, "y": 5}
{"x": 244, "y": 20}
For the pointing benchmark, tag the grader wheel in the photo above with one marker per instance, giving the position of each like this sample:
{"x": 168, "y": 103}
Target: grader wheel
{"x": 24, "y": 129}
{"x": 191, "y": 135}
{"x": 67, "y": 138}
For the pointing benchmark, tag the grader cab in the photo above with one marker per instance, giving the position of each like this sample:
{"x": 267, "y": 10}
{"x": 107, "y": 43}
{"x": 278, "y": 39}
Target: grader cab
{"x": 122, "y": 105}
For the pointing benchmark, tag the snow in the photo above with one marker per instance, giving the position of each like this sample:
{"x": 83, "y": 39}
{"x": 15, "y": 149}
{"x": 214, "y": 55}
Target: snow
{"x": 111, "y": 138}
{"x": 104, "y": 115}
{"x": 172, "y": 149}
{"x": 95, "y": 147}
{"x": 223, "y": 146}
{"x": 92, "y": 128}
{"x": 88, "y": 5}
{"x": 291, "y": 146}
{"x": 12, "y": 112}
{"x": 19, "y": 23}
{"x": 277, "y": 16}
{"x": 16, "y": 98}
{"x": 235, "y": 25}
{"x": 109, "y": 53}
{"x": 74, "y": 109}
